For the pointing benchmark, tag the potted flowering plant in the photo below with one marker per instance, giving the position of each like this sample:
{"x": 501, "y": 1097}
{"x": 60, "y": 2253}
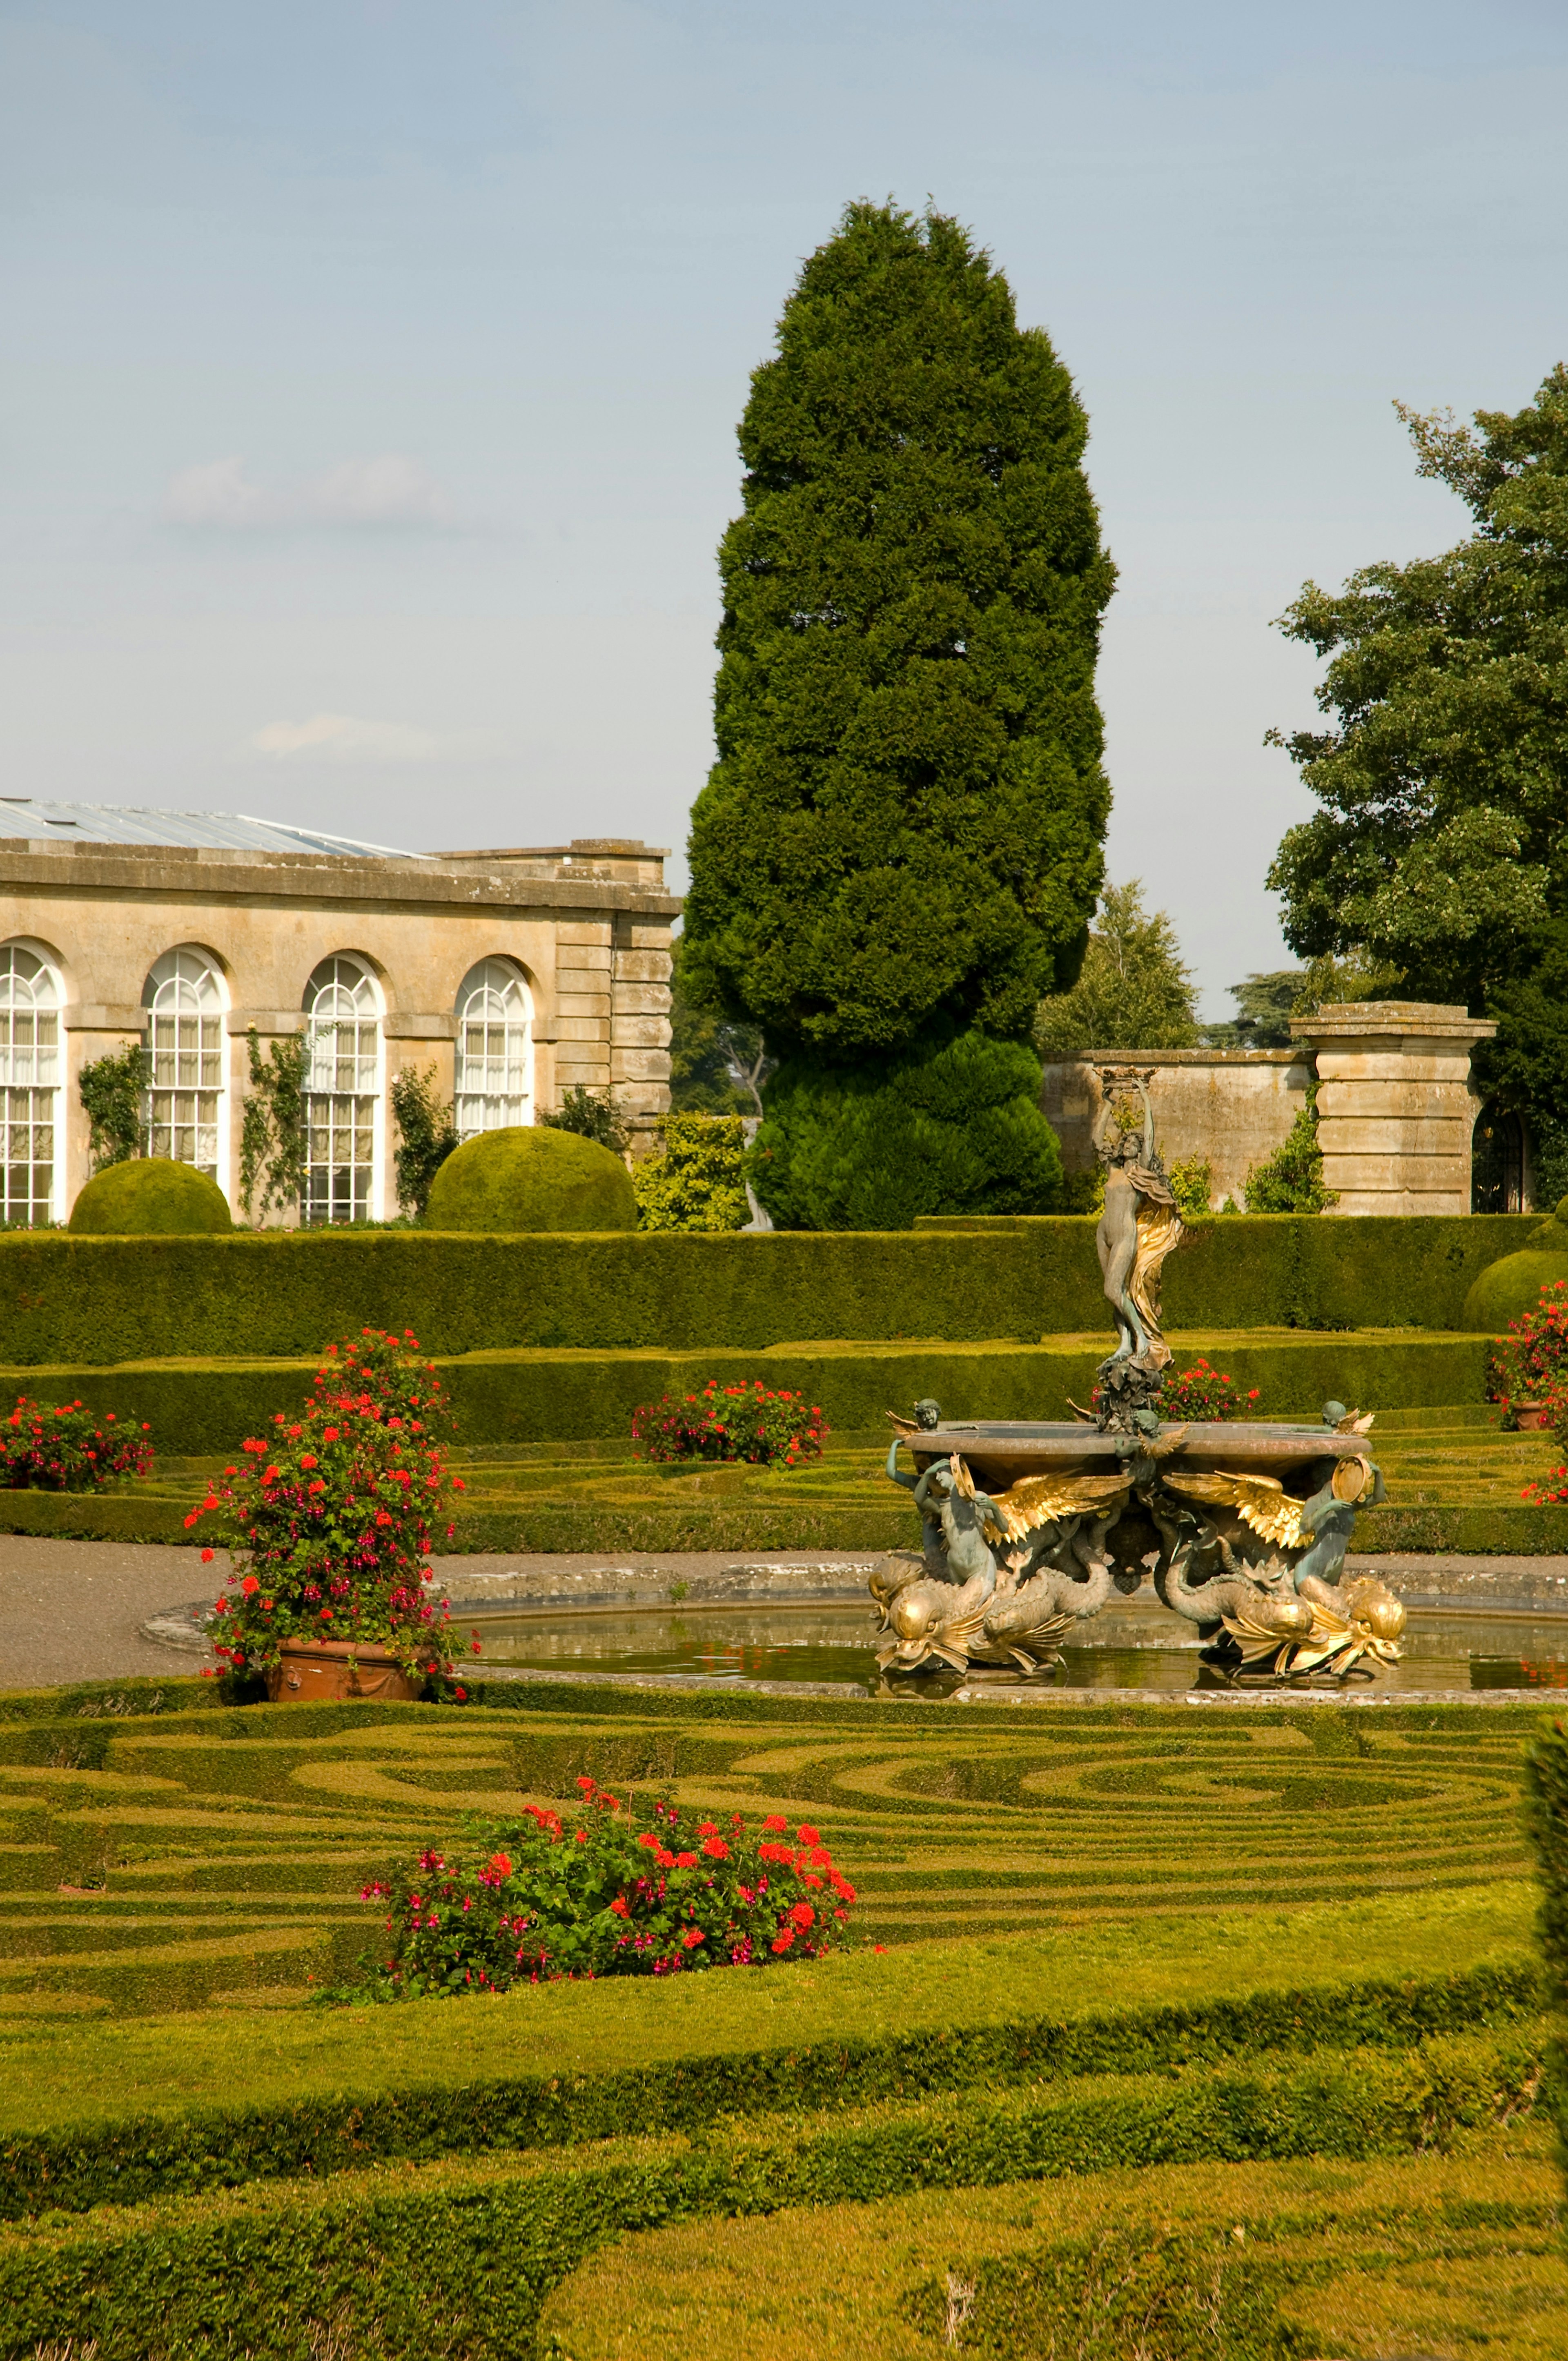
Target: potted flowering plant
{"x": 628, "y": 1891}
{"x": 330, "y": 1519}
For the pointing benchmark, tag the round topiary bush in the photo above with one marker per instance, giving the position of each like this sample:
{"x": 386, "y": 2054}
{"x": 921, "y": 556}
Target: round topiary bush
{"x": 149, "y": 1197}
{"x": 532, "y": 1177}
{"x": 1510, "y": 1287}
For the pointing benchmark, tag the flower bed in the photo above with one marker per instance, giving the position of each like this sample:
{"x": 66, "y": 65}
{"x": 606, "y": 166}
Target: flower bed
{"x": 743, "y": 1422}
{"x": 1530, "y": 1363}
{"x": 67, "y": 1449}
{"x": 623, "y": 1892}
{"x": 331, "y": 1517}
{"x": 1203, "y": 1394}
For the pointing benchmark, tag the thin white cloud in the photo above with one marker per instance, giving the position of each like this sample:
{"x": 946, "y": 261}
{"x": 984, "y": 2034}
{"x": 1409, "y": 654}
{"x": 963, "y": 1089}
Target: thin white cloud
{"x": 344, "y": 738}
{"x": 219, "y": 493}
{"x": 390, "y": 489}
{"x": 386, "y": 490}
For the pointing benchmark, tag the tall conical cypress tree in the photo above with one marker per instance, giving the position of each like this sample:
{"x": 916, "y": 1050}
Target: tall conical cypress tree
{"x": 901, "y": 837}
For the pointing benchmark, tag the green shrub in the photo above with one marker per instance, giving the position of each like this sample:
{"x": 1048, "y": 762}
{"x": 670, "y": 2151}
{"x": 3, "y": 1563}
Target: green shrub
{"x": 1291, "y": 1181}
{"x": 272, "y": 1139}
{"x": 530, "y": 1177}
{"x": 630, "y": 1890}
{"x": 149, "y": 1197}
{"x": 427, "y": 1135}
{"x": 590, "y": 1115}
{"x": 1192, "y": 1183}
{"x": 698, "y": 1182}
{"x": 954, "y": 1130}
{"x": 113, "y": 1091}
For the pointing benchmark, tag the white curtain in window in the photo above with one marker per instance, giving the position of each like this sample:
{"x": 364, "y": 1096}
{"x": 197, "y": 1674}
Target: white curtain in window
{"x": 184, "y": 1002}
{"x": 30, "y": 1085}
{"x": 495, "y": 1050}
{"x": 343, "y": 1086}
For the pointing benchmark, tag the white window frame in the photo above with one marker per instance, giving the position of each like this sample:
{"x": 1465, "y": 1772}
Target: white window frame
{"x": 50, "y": 977}
{"x": 188, "y": 974}
{"x": 487, "y": 989}
{"x": 344, "y": 990}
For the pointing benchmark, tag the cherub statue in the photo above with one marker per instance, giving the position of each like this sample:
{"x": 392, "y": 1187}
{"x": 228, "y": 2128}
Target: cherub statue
{"x": 1138, "y": 1228}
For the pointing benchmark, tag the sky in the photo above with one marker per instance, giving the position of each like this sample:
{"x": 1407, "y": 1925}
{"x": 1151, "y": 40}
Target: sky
{"x": 372, "y": 372}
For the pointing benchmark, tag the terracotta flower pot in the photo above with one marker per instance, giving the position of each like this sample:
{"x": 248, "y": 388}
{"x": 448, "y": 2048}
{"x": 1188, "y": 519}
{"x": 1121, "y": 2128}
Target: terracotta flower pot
{"x": 1533, "y": 1415}
{"x": 313, "y": 1669}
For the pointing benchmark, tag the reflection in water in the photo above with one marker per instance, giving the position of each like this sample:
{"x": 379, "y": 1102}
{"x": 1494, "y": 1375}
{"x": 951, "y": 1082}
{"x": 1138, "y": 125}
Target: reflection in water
{"x": 1136, "y": 1645}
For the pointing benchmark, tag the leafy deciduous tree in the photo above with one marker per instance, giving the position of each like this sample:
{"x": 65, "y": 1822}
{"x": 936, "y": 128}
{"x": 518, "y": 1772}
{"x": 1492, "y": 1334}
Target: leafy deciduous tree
{"x": 1444, "y": 780}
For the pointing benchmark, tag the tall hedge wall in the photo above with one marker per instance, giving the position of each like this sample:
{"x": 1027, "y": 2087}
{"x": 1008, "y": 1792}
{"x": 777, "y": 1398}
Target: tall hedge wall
{"x": 200, "y": 1407}
{"x": 72, "y": 1301}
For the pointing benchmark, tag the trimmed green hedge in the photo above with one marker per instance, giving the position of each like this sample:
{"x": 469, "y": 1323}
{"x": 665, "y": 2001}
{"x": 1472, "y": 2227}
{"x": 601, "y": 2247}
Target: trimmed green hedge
{"x": 371, "y": 2259}
{"x": 202, "y": 1408}
{"x": 67, "y": 1301}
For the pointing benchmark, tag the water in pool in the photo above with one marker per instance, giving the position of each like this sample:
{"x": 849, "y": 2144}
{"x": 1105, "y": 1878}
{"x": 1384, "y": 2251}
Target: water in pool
{"x": 1137, "y": 1645}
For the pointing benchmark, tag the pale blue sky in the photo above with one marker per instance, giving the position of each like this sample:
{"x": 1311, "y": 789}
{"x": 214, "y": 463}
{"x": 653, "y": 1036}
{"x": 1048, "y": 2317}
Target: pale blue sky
{"x": 373, "y": 371}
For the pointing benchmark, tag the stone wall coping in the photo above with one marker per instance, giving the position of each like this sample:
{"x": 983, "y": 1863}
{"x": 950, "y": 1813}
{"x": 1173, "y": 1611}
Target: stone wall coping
{"x": 207, "y": 874}
{"x": 1364, "y": 1020}
{"x": 1095, "y": 1058}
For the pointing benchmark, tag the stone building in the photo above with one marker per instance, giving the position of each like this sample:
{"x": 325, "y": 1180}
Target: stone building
{"x": 516, "y": 973}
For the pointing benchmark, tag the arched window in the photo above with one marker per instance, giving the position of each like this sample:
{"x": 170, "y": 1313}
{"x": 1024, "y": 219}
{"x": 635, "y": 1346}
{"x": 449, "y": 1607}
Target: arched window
{"x": 342, "y": 1090}
{"x": 184, "y": 1002}
{"x": 495, "y": 1050}
{"x": 30, "y": 1085}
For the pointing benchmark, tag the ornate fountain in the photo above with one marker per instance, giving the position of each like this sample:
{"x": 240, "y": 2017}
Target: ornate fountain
{"x": 1030, "y": 1530}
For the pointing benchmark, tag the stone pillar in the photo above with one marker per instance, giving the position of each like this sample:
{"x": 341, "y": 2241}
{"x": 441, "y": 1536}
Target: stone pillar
{"x": 1395, "y": 1105}
{"x": 640, "y": 1025}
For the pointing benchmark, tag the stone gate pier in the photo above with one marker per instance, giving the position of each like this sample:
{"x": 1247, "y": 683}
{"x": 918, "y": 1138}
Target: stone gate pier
{"x": 1396, "y": 1102}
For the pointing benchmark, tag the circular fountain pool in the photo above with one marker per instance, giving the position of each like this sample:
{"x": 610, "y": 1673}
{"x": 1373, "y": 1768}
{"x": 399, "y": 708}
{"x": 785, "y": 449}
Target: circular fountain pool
{"x": 1136, "y": 1645}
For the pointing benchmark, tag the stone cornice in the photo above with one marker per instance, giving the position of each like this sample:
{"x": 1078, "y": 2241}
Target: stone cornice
{"x": 201, "y": 875}
{"x": 1391, "y": 1020}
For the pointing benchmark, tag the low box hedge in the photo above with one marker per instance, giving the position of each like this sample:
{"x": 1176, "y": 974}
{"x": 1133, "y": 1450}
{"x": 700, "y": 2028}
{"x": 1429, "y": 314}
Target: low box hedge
{"x": 72, "y": 1301}
{"x": 119, "y": 2112}
{"x": 1102, "y": 2265}
{"x": 373, "y": 2261}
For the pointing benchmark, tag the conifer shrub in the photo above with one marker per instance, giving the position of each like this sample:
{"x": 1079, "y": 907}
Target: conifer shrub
{"x": 532, "y": 1177}
{"x": 150, "y": 1196}
{"x": 957, "y": 1129}
{"x": 629, "y": 1890}
{"x": 698, "y": 1181}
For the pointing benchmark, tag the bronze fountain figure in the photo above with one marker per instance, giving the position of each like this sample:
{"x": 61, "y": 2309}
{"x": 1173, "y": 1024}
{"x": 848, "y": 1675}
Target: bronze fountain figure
{"x": 1029, "y": 1530}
